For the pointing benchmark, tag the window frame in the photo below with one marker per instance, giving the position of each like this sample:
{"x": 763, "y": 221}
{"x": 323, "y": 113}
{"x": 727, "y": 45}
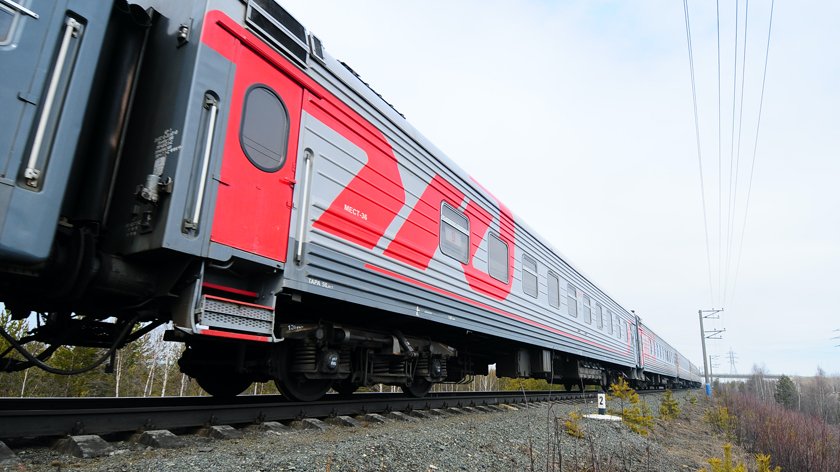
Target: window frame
{"x": 548, "y": 281}
{"x": 286, "y": 131}
{"x": 599, "y": 313}
{"x": 535, "y": 274}
{"x": 587, "y": 309}
{"x": 444, "y": 204}
{"x": 506, "y": 280}
{"x": 571, "y": 294}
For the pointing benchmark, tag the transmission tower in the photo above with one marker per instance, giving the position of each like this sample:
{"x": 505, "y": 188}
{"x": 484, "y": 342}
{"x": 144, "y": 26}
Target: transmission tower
{"x": 732, "y": 361}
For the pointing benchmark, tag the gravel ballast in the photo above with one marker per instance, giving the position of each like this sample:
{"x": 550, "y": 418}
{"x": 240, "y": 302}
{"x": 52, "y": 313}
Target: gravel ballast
{"x": 526, "y": 439}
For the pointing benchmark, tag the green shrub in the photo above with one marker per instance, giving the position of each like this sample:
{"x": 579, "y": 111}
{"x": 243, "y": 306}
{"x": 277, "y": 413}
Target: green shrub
{"x": 669, "y": 408}
{"x": 690, "y": 398}
{"x": 721, "y": 421}
{"x": 633, "y": 411}
{"x": 726, "y": 464}
{"x": 573, "y": 424}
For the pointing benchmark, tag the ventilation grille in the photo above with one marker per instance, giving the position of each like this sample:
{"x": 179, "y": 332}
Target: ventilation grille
{"x": 317, "y": 48}
{"x": 276, "y": 24}
{"x": 227, "y": 315}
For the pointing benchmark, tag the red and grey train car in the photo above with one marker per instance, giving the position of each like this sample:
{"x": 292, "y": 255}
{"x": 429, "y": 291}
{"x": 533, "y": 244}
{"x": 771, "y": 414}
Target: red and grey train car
{"x": 207, "y": 164}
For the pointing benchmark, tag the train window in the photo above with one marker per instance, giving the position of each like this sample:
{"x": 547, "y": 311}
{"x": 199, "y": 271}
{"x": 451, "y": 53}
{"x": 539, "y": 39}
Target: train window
{"x": 599, "y": 316}
{"x": 264, "y": 132}
{"x": 572, "y": 296}
{"x": 587, "y": 310}
{"x": 610, "y": 323}
{"x": 529, "y": 276}
{"x": 498, "y": 256}
{"x": 553, "y": 289}
{"x": 454, "y": 234}
{"x": 617, "y": 323}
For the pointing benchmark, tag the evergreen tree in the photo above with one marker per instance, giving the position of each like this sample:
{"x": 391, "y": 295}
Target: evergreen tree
{"x": 785, "y": 392}
{"x": 669, "y": 407}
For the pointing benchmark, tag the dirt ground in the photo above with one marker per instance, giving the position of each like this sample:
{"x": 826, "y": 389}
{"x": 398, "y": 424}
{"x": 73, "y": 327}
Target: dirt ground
{"x": 690, "y": 439}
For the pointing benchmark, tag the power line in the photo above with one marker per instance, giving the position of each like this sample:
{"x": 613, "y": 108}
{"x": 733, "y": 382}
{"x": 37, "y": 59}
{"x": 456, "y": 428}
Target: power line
{"x": 740, "y": 125}
{"x": 755, "y": 149}
{"x": 731, "y": 153}
{"x": 699, "y": 155}
{"x": 720, "y": 187}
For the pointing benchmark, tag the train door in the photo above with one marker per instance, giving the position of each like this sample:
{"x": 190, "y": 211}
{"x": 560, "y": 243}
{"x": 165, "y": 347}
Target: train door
{"x": 637, "y": 338}
{"x": 254, "y": 201}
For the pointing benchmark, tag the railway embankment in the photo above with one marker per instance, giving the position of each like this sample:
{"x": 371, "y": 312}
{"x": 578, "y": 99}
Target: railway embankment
{"x": 535, "y": 437}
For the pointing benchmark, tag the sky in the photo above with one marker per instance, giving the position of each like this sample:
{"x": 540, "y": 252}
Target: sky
{"x": 579, "y": 117}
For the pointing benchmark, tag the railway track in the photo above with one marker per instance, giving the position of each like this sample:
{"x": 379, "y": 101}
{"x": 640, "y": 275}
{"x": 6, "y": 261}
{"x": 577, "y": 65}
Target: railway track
{"x": 43, "y": 417}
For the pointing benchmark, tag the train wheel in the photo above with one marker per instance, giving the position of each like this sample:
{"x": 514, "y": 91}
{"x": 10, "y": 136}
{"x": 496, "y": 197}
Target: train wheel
{"x": 418, "y": 389}
{"x": 223, "y": 386}
{"x": 302, "y": 389}
{"x": 295, "y": 386}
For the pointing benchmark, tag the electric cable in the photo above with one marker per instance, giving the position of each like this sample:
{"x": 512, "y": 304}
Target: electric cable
{"x": 48, "y": 368}
{"x": 720, "y": 187}
{"x": 755, "y": 149}
{"x": 731, "y": 234}
{"x": 731, "y": 153}
{"x": 699, "y": 155}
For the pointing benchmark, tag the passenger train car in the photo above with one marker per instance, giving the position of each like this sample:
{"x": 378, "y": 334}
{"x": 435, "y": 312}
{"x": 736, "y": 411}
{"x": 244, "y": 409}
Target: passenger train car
{"x": 208, "y": 164}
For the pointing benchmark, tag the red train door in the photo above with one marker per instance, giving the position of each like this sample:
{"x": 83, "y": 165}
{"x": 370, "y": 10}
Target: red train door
{"x": 254, "y": 202}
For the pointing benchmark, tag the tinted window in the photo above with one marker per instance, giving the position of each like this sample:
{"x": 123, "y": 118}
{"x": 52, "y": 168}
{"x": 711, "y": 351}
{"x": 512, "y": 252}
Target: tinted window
{"x": 610, "y": 324}
{"x": 572, "y": 296}
{"x": 587, "y": 310}
{"x": 498, "y": 256}
{"x": 529, "y": 276}
{"x": 265, "y": 128}
{"x": 553, "y": 290}
{"x": 454, "y": 234}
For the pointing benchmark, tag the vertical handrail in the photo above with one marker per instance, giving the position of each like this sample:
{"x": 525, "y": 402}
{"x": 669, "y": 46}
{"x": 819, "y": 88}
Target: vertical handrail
{"x": 212, "y": 105}
{"x": 303, "y": 207}
{"x": 20, "y": 8}
{"x": 32, "y": 174}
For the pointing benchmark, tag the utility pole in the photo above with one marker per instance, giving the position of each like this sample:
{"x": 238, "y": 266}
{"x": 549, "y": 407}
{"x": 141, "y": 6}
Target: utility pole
{"x": 713, "y": 364}
{"x": 703, "y": 336}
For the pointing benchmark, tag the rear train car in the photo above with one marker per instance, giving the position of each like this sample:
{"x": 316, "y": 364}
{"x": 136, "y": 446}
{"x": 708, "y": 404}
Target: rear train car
{"x": 208, "y": 164}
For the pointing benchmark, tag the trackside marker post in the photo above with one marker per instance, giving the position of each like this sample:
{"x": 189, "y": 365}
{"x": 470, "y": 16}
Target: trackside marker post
{"x": 602, "y": 403}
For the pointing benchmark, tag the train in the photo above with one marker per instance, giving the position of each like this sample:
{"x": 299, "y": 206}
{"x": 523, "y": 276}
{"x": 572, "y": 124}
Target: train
{"x": 208, "y": 166}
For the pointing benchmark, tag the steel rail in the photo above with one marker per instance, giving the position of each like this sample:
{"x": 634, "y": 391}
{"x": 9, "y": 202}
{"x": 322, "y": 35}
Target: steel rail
{"x": 38, "y": 417}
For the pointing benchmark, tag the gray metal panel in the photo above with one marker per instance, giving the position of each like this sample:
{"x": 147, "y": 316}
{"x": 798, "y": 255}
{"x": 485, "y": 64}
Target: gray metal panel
{"x": 336, "y": 268}
{"x": 176, "y": 81}
{"x": 28, "y": 64}
{"x": 660, "y": 364}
